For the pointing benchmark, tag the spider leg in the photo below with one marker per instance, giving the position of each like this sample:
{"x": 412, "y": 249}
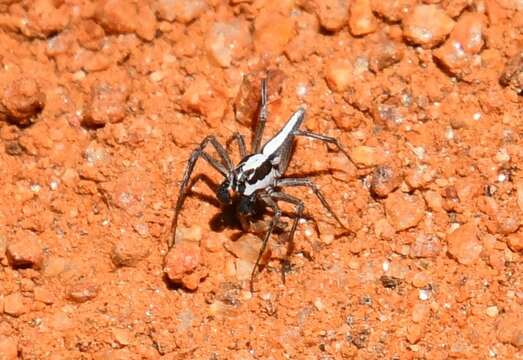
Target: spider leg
{"x": 276, "y": 217}
{"x": 262, "y": 118}
{"x": 299, "y": 207}
{"x": 196, "y": 154}
{"x": 308, "y": 182}
{"x": 241, "y": 143}
{"x": 324, "y": 138}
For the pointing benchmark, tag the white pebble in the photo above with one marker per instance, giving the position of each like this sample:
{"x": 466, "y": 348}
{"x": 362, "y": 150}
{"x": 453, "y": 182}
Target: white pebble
{"x": 301, "y": 90}
{"x": 502, "y": 155}
{"x": 308, "y": 232}
{"x": 54, "y": 184}
{"x": 318, "y": 304}
{"x": 156, "y": 76}
{"x": 492, "y": 311}
{"x": 449, "y": 134}
{"x": 476, "y": 116}
{"x": 386, "y": 266}
{"x": 424, "y": 294}
{"x": 419, "y": 152}
{"x": 79, "y": 75}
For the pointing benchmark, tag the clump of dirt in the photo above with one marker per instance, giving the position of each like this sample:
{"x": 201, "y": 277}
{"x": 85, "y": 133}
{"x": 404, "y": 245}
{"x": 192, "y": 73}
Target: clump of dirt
{"x": 102, "y": 102}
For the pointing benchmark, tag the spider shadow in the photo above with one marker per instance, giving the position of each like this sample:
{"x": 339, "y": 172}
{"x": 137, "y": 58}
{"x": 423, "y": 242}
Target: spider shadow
{"x": 228, "y": 217}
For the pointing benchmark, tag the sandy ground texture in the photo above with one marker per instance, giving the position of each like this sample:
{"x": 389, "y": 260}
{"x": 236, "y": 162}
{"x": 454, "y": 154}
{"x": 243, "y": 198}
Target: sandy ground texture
{"x": 102, "y": 102}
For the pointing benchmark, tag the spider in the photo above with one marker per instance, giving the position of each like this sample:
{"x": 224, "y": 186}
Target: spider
{"x": 258, "y": 178}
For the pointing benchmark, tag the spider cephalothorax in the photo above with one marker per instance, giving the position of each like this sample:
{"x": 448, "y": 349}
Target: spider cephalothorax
{"x": 259, "y": 175}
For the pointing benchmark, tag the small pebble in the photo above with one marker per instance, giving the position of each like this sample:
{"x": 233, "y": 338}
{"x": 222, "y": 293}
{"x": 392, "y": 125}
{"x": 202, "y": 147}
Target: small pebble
{"x": 420, "y": 280}
{"x": 384, "y": 54}
{"x": 385, "y": 179}
{"x": 333, "y": 14}
{"x": 419, "y": 177}
{"x": 214, "y": 243}
{"x": 228, "y": 41}
{"x": 427, "y": 25}
{"x": 121, "y": 17}
{"x": 383, "y": 229}
{"x": 184, "y": 265}
{"x": 403, "y": 210}
{"x": 507, "y": 222}
{"x": 492, "y": 311}
{"x": 156, "y": 76}
{"x": 272, "y": 32}
{"x": 385, "y": 266}
{"x": 21, "y": 101}
{"x": 512, "y": 75}
{"x": 183, "y": 11}
{"x": 191, "y": 234}
{"x": 393, "y": 10}
{"x": 515, "y": 242}
{"x": 361, "y": 20}
{"x": 502, "y": 156}
{"x": 424, "y": 294}
{"x": 465, "y": 40}
{"x": 79, "y": 75}
{"x": 464, "y": 245}
{"x": 54, "y": 266}
{"x": 367, "y": 156}
{"x": 107, "y": 103}
{"x": 318, "y": 304}
{"x": 129, "y": 250}
{"x": 339, "y": 74}
{"x": 202, "y": 98}
{"x": 122, "y": 337}
{"x": 24, "y": 250}
{"x": 15, "y": 305}
{"x": 43, "y": 294}
{"x": 247, "y": 247}
{"x": 82, "y": 292}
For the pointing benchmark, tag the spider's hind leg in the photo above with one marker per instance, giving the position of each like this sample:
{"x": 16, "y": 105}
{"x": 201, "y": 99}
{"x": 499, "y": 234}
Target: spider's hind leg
{"x": 196, "y": 154}
{"x": 262, "y": 118}
{"x": 308, "y": 182}
{"x": 324, "y": 138}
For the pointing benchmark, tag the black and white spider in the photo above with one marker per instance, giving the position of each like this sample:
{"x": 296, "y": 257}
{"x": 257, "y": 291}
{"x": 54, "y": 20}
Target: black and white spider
{"x": 259, "y": 175}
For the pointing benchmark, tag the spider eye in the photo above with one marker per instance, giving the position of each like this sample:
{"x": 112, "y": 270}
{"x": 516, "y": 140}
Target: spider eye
{"x": 223, "y": 193}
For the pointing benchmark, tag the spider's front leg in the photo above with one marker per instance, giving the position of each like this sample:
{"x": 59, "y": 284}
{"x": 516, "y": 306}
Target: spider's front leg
{"x": 241, "y": 143}
{"x": 196, "y": 154}
{"x": 298, "y": 213}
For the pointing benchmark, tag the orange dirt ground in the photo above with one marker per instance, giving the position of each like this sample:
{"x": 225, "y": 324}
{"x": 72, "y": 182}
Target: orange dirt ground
{"x": 102, "y": 102}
